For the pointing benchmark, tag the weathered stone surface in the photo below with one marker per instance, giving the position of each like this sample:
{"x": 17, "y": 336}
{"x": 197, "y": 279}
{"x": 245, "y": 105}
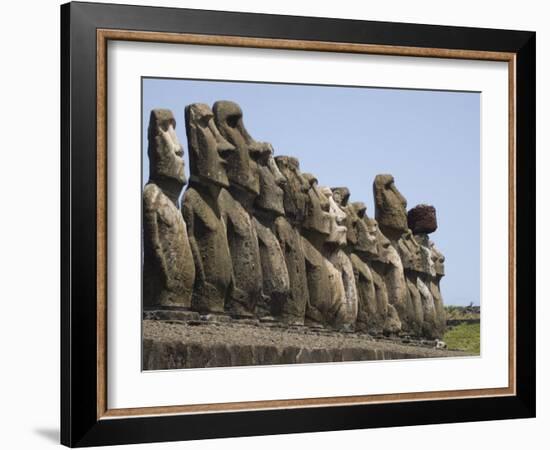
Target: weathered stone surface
{"x": 208, "y": 150}
{"x": 295, "y": 189}
{"x": 317, "y": 219}
{"x": 245, "y": 255}
{"x": 411, "y": 257}
{"x": 390, "y": 207}
{"x": 434, "y": 324}
{"x": 422, "y": 219}
{"x": 367, "y": 307}
{"x": 177, "y": 346}
{"x": 287, "y": 231}
{"x": 168, "y": 267}
{"x": 276, "y": 281}
{"x": 439, "y": 268}
{"x": 396, "y": 284}
{"x": 236, "y": 206}
{"x": 228, "y": 117}
{"x": 268, "y": 246}
{"x": 429, "y": 324}
{"x": 393, "y": 324}
{"x": 268, "y": 207}
{"x": 325, "y": 287}
{"x": 207, "y": 233}
{"x": 271, "y": 197}
{"x": 293, "y": 311}
{"x": 336, "y": 241}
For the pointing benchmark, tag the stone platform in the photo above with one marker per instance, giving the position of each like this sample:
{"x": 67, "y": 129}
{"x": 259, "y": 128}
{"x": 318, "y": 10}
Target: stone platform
{"x": 199, "y": 344}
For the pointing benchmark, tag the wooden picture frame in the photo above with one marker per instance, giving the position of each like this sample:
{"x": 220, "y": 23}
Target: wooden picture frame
{"x": 85, "y": 416}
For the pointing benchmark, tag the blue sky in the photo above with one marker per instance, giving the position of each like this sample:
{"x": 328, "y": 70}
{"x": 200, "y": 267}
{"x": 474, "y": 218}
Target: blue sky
{"x": 429, "y": 141}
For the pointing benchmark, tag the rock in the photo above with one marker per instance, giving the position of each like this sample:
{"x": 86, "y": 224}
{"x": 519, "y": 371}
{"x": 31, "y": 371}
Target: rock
{"x": 207, "y": 233}
{"x": 422, "y": 219}
{"x": 295, "y": 189}
{"x": 293, "y": 311}
{"x": 390, "y": 207}
{"x": 168, "y": 267}
{"x": 236, "y": 207}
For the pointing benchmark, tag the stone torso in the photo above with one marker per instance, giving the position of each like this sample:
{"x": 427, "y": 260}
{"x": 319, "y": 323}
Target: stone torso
{"x": 245, "y": 255}
{"x": 169, "y": 271}
{"x": 276, "y": 282}
{"x": 293, "y": 311}
{"x": 211, "y": 253}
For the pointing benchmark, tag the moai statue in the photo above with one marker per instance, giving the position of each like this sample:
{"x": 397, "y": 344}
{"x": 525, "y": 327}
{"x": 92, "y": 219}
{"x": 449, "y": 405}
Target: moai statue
{"x": 236, "y": 207}
{"x": 411, "y": 257}
{"x": 422, "y": 221}
{"x": 287, "y": 231}
{"x": 439, "y": 268}
{"x": 390, "y": 207}
{"x": 334, "y": 251}
{"x": 325, "y": 286}
{"x": 379, "y": 257}
{"x": 208, "y": 152}
{"x": 360, "y": 245}
{"x": 268, "y": 208}
{"x": 168, "y": 268}
{"x": 391, "y": 215}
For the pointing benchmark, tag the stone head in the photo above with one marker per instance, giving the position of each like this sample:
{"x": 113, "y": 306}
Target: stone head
{"x": 208, "y": 149}
{"x": 317, "y": 217}
{"x": 341, "y": 196}
{"x": 270, "y": 180}
{"x": 365, "y": 237}
{"x": 422, "y": 219}
{"x": 390, "y": 205}
{"x": 410, "y": 252}
{"x": 338, "y": 230}
{"x": 295, "y": 189}
{"x": 383, "y": 245}
{"x": 228, "y": 117}
{"x": 427, "y": 263}
{"x": 438, "y": 260}
{"x": 165, "y": 152}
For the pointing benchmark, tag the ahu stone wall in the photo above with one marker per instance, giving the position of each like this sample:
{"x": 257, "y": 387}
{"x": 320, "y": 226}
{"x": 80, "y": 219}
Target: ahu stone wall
{"x": 257, "y": 240}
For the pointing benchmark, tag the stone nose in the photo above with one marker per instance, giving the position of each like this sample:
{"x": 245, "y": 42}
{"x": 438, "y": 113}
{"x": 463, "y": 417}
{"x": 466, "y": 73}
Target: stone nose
{"x": 225, "y": 149}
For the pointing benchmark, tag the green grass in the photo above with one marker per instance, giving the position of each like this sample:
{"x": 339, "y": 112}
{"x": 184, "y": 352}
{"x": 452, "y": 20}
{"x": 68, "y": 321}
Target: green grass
{"x": 462, "y": 312}
{"x": 465, "y": 337}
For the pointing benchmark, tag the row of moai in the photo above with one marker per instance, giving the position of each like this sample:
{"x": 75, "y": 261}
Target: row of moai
{"x": 257, "y": 239}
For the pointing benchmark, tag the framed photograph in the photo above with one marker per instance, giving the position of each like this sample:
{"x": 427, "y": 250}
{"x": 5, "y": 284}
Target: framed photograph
{"x": 277, "y": 224}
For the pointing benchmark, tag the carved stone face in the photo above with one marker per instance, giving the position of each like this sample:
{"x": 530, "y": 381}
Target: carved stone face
{"x": 365, "y": 239}
{"x": 270, "y": 180}
{"x": 438, "y": 260}
{"x": 338, "y": 230}
{"x": 317, "y": 217}
{"x": 391, "y": 206}
{"x": 382, "y": 242}
{"x": 208, "y": 149}
{"x": 410, "y": 252}
{"x": 295, "y": 189}
{"x": 240, "y": 168}
{"x": 341, "y": 196}
{"x": 165, "y": 151}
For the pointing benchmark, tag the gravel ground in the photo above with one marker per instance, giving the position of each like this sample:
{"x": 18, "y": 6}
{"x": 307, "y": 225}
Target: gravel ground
{"x": 211, "y": 334}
